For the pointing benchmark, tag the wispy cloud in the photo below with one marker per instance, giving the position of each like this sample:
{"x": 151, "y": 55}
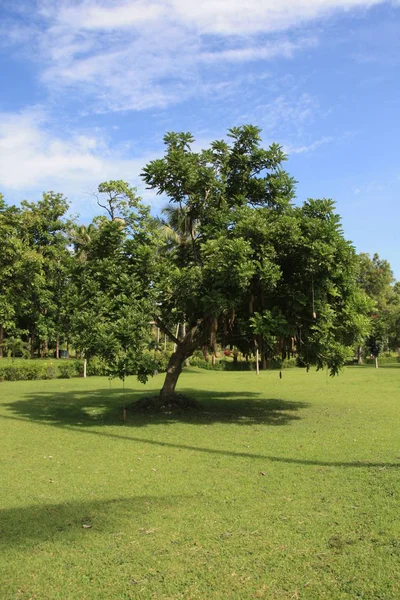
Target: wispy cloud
{"x": 137, "y": 54}
{"x": 304, "y": 149}
{"x": 33, "y": 158}
{"x": 224, "y": 17}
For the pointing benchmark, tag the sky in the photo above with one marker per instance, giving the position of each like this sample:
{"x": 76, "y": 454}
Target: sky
{"x": 90, "y": 87}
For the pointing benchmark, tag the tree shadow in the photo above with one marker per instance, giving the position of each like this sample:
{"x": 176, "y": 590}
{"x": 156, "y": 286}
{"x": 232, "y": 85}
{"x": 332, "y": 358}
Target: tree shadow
{"x": 85, "y": 411}
{"x": 32, "y": 525}
{"x": 105, "y": 407}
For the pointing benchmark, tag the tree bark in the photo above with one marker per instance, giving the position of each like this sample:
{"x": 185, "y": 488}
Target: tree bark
{"x": 1, "y": 340}
{"x": 174, "y": 369}
{"x": 187, "y": 363}
{"x": 264, "y": 363}
{"x": 184, "y": 349}
{"x": 376, "y": 362}
{"x": 359, "y": 355}
{"x": 33, "y": 343}
{"x": 57, "y": 347}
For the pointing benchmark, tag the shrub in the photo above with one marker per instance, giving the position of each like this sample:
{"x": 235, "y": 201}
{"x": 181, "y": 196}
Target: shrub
{"x": 96, "y": 367}
{"x": 49, "y": 372}
{"x": 288, "y": 363}
{"x": 225, "y": 365}
{"x": 69, "y": 369}
{"x": 30, "y": 372}
{"x": 383, "y": 360}
{"x": 20, "y": 372}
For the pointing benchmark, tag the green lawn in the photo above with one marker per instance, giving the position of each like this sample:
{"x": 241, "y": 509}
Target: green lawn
{"x": 279, "y": 489}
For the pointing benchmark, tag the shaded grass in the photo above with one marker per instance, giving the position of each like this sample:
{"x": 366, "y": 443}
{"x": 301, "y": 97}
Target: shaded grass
{"x": 274, "y": 489}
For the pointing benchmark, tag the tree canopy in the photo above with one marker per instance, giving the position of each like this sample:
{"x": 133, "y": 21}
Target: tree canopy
{"x": 258, "y": 271}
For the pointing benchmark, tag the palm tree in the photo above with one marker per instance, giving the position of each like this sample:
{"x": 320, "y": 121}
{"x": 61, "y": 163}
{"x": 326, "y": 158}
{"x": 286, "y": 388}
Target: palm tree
{"x": 81, "y": 237}
{"x": 178, "y": 227}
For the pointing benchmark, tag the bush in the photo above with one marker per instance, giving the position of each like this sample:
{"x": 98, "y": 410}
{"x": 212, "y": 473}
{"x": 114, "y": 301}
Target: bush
{"x": 30, "y": 371}
{"x": 66, "y": 370}
{"x": 96, "y": 367}
{"x": 383, "y": 360}
{"x": 227, "y": 365}
{"x": 49, "y": 372}
{"x": 288, "y": 363}
{"x": 21, "y": 372}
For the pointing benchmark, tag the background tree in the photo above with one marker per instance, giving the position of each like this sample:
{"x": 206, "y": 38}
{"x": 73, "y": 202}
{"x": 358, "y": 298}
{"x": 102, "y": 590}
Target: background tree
{"x": 394, "y": 318}
{"x": 10, "y": 252}
{"x": 111, "y": 291}
{"x": 44, "y": 234}
{"x": 375, "y": 277}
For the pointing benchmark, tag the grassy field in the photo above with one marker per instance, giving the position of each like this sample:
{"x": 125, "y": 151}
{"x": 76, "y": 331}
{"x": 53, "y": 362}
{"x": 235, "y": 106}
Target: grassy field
{"x": 276, "y": 488}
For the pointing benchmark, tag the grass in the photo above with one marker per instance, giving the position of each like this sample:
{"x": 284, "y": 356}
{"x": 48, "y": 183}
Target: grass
{"x": 275, "y": 489}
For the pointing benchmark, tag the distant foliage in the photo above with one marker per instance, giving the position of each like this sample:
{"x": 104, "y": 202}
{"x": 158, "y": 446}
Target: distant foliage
{"x": 225, "y": 365}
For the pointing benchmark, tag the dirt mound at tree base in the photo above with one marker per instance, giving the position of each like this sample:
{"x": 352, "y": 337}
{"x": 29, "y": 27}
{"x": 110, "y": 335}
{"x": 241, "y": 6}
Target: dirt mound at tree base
{"x": 175, "y": 402}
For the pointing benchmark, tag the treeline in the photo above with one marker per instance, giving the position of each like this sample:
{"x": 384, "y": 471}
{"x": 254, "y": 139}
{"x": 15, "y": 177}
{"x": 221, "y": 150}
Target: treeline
{"x": 232, "y": 261}
{"x": 61, "y": 281}
{"x": 375, "y": 277}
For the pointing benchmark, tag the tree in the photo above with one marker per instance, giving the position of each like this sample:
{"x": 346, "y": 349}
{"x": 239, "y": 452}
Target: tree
{"x": 375, "y": 277}
{"x": 258, "y": 269}
{"x": 394, "y": 318}
{"x": 111, "y": 293}
{"x": 44, "y": 229}
{"x": 10, "y": 252}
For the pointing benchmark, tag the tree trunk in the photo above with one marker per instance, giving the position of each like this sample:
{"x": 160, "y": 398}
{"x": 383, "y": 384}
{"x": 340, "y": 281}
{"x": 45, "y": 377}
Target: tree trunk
{"x": 205, "y": 353}
{"x": 264, "y": 364}
{"x": 184, "y": 349}
{"x": 33, "y": 342}
{"x": 187, "y": 363}
{"x": 359, "y": 355}
{"x": 57, "y": 347}
{"x": 174, "y": 369}
{"x": 1, "y": 340}
{"x": 376, "y": 362}
{"x": 257, "y": 363}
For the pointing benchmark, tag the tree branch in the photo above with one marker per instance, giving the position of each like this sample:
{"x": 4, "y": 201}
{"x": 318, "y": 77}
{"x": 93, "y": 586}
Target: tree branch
{"x": 165, "y": 330}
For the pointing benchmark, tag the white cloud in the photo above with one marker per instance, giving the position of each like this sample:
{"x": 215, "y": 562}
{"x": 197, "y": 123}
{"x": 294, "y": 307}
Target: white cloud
{"x": 287, "y": 114}
{"x": 279, "y": 48}
{"x": 308, "y": 147}
{"x": 225, "y": 17}
{"x": 114, "y": 16}
{"x": 138, "y": 54}
{"x": 34, "y": 159}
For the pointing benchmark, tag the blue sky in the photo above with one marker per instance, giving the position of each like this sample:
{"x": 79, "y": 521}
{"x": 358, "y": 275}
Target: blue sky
{"x": 90, "y": 87}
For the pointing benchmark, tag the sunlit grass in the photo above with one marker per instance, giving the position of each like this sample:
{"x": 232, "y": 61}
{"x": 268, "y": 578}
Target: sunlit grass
{"x": 274, "y": 489}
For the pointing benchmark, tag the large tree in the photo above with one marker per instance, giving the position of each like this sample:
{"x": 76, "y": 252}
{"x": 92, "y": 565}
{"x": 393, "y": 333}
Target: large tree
{"x": 255, "y": 270}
